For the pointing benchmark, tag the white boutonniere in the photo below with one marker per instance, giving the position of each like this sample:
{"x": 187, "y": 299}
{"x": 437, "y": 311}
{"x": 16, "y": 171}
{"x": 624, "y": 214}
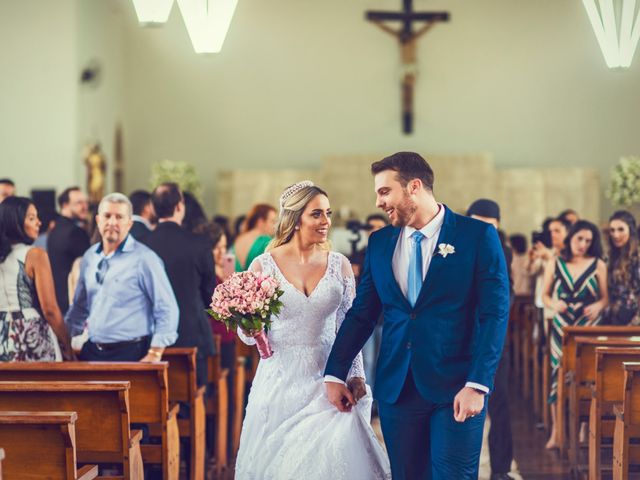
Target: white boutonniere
{"x": 445, "y": 249}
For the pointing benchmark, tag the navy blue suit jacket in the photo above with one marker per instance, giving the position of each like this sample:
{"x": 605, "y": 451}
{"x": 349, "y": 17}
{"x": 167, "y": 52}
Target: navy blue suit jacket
{"x": 453, "y": 335}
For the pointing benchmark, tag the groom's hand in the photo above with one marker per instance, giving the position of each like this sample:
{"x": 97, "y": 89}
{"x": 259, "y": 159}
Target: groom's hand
{"x": 468, "y": 403}
{"x": 339, "y": 396}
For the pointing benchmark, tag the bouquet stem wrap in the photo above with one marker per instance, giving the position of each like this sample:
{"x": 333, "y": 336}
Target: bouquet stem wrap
{"x": 262, "y": 342}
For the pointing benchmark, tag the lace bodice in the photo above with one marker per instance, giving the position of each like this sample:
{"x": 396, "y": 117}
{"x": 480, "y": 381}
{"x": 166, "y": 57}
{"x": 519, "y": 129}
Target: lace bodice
{"x": 310, "y": 323}
{"x": 290, "y": 430}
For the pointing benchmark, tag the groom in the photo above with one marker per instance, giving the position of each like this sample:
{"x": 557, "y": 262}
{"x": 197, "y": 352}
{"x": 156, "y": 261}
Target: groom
{"x": 441, "y": 282}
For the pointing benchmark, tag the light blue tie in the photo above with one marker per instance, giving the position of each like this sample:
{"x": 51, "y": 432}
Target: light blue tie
{"x": 415, "y": 268}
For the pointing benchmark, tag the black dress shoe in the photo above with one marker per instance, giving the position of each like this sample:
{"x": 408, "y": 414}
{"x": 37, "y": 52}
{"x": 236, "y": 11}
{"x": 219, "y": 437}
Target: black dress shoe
{"x": 501, "y": 476}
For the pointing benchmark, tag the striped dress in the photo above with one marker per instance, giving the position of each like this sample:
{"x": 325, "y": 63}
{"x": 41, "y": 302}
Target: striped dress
{"x": 577, "y": 294}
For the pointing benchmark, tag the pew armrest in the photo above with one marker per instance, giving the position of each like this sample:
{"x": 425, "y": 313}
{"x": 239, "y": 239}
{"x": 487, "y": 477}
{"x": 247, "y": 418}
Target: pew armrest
{"x": 569, "y": 377}
{"x": 618, "y": 411}
{"x": 173, "y": 411}
{"x": 201, "y": 391}
{"x": 135, "y": 438}
{"x": 87, "y": 472}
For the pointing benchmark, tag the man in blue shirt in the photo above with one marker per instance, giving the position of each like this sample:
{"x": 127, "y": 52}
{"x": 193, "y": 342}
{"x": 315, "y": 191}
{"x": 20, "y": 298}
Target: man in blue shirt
{"x": 123, "y": 294}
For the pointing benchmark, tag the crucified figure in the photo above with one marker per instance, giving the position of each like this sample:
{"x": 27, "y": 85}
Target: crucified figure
{"x": 408, "y": 40}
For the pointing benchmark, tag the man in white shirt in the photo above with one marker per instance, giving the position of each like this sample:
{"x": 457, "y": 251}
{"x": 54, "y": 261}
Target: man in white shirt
{"x": 441, "y": 280}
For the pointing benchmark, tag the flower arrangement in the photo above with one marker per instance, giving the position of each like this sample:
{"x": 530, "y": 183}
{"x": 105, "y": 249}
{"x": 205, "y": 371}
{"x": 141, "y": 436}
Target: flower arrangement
{"x": 248, "y": 300}
{"x": 182, "y": 173}
{"x": 625, "y": 182}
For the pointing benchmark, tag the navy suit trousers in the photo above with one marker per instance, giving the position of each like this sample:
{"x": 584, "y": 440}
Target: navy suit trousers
{"x": 425, "y": 442}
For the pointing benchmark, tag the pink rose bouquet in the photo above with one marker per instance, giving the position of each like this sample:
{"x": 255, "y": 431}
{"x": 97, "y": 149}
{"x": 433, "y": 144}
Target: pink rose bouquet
{"x": 248, "y": 300}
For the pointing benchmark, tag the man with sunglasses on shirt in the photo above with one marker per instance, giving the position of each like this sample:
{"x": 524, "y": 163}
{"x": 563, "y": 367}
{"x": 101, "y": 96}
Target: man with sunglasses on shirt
{"x": 123, "y": 295}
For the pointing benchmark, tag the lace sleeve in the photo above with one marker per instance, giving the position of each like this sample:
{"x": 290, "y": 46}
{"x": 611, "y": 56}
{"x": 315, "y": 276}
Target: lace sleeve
{"x": 256, "y": 266}
{"x": 349, "y": 293}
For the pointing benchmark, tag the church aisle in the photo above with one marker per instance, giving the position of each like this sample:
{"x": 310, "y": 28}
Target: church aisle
{"x": 534, "y": 461}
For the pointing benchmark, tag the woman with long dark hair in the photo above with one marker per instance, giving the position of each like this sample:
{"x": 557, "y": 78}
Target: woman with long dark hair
{"x": 624, "y": 270}
{"x": 30, "y": 319}
{"x": 575, "y": 288}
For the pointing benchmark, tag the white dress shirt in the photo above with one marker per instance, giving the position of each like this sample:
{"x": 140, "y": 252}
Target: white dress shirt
{"x": 402, "y": 258}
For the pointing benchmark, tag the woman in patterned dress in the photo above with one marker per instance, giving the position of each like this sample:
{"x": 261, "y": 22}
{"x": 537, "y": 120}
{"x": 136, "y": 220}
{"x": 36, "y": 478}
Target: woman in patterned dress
{"x": 575, "y": 288}
{"x": 624, "y": 270}
{"x": 29, "y": 313}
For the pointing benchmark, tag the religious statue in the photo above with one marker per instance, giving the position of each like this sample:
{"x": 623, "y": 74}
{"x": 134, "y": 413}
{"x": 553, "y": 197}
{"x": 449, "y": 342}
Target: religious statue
{"x": 407, "y": 37}
{"x": 96, "y": 169}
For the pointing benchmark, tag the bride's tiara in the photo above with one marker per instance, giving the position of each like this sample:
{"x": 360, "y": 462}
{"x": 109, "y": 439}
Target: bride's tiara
{"x": 292, "y": 190}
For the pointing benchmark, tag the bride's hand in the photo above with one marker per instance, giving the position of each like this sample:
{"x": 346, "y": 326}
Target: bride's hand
{"x": 251, "y": 333}
{"x": 339, "y": 396}
{"x": 357, "y": 387}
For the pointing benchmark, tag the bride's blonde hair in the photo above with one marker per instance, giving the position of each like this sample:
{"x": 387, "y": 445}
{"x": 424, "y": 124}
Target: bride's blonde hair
{"x": 293, "y": 201}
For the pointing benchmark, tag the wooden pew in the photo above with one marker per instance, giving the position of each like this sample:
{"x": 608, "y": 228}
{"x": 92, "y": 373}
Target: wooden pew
{"x": 579, "y": 384}
{"x": 546, "y": 374}
{"x": 183, "y": 387}
{"x": 528, "y": 319}
{"x": 515, "y": 329}
{"x": 41, "y": 445}
{"x": 102, "y": 429}
{"x": 148, "y": 397}
{"x": 217, "y": 408}
{"x": 606, "y": 392}
{"x": 626, "y": 450}
{"x": 568, "y": 364}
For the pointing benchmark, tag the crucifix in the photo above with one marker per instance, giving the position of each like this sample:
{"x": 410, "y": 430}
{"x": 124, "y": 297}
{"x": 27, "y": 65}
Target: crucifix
{"x": 408, "y": 40}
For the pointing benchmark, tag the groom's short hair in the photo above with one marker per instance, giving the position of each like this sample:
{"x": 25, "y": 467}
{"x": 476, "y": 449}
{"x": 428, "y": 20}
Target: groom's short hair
{"x": 408, "y": 166}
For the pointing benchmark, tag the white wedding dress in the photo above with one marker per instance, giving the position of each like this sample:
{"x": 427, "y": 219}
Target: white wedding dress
{"x": 290, "y": 430}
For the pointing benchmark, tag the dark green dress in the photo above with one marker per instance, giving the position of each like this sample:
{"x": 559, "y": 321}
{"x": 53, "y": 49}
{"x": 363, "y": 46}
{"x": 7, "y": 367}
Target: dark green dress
{"x": 257, "y": 249}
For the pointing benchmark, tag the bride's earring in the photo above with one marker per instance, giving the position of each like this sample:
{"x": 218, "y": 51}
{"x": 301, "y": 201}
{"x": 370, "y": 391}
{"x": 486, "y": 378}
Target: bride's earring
{"x": 297, "y": 227}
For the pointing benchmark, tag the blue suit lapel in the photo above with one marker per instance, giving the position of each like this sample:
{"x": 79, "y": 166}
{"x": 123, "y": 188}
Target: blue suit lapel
{"x": 389, "y": 251}
{"x": 447, "y": 236}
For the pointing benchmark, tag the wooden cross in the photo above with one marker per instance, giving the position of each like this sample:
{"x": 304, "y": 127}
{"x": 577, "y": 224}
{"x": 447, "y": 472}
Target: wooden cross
{"x": 408, "y": 40}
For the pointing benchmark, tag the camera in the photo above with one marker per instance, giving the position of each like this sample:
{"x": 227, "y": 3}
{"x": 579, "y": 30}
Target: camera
{"x": 356, "y": 227}
{"x": 544, "y": 237}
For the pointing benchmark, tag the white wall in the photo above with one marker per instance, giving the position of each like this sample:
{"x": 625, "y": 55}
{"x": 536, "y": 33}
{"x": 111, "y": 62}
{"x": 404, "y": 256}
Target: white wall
{"x": 38, "y": 93}
{"x": 301, "y": 79}
{"x": 298, "y": 80}
{"x": 100, "y": 27}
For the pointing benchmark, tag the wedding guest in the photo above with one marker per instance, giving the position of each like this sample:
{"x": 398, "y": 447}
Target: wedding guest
{"x": 224, "y": 223}
{"x": 217, "y": 240}
{"x": 123, "y": 294}
{"x": 31, "y": 325}
{"x": 371, "y": 349}
{"x": 239, "y": 226}
{"x": 144, "y": 217}
{"x": 570, "y": 216}
{"x": 542, "y": 255}
{"x": 7, "y": 188}
{"x": 624, "y": 270}
{"x": 500, "y": 438}
{"x": 189, "y": 264}
{"x": 194, "y": 213}
{"x": 260, "y": 228}
{"x": 575, "y": 289}
{"x": 48, "y": 217}
{"x": 522, "y": 279}
{"x": 68, "y": 240}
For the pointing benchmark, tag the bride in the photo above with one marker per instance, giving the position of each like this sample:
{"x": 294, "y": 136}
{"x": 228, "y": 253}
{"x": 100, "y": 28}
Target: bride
{"x": 291, "y": 431}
